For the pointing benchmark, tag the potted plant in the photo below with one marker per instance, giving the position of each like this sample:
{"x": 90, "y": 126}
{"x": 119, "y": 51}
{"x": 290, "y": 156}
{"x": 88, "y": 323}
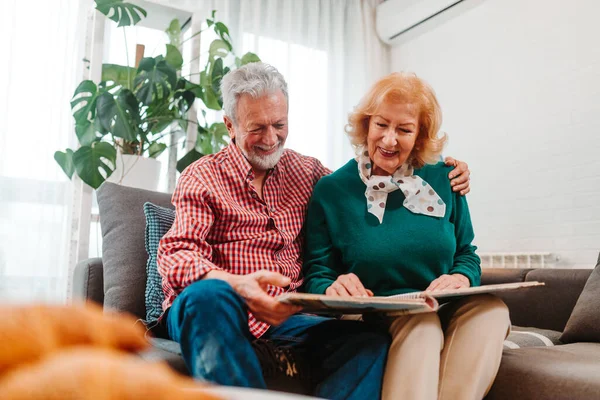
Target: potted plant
{"x": 132, "y": 110}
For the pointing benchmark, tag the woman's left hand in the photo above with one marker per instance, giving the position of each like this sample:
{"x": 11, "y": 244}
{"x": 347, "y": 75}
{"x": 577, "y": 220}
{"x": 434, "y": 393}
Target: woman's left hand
{"x": 459, "y": 176}
{"x": 454, "y": 281}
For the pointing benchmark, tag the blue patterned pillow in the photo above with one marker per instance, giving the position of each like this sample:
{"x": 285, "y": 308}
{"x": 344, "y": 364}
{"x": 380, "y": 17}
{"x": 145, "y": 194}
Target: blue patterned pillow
{"x": 158, "y": 223}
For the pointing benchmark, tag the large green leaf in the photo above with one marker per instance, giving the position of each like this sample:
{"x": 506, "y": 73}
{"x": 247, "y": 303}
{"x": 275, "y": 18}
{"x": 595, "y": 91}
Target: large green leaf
{"x": 249, "y": 57}
{"x": 86, "y": 132}
{"x": 211, "y": 140}
{"x": 211, "y": 99}
{"x": 119, "y": 74}
{"x": 189, "y": 158}
{"x": 223, "y": 33}
{"x": 161, "y": 124}
{"x": 120, "y": 116}
{"x": 217, "y": 75}
{"x": 204, "y": 78}
{"x": 174, "y": 33}
{"x": 185, "y": 100}
{"x": 65, "y": 160}
{"x": 84, "y": 99}
{"x": 156, "y": 149}
{"x": 218, "y": 48}
{"x": 198, "y": 91}
{"x": 125, "y": 14}
{"x": 219, "y": 133}
{"x": 95, "y": 163}
{"x": 154, "y": 80}
{"x": 204, "y": 144}
{"x": 174, "y": 57}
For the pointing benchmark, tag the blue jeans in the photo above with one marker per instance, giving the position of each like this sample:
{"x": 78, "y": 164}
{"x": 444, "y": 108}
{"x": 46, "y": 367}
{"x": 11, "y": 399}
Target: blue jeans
{"x": 210, "y": 321}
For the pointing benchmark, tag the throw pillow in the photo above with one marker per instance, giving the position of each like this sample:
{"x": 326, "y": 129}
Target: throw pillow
{"x": 158, "y": 222}
{"x": 123, "y": 253}
{"x": 584, "y": 323}
{"x": 531, "y": 337}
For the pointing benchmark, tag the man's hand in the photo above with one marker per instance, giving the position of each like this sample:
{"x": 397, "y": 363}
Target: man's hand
{"x": 459, "y": 176}
{"x": 253, "y": 289}
{"x": 454, "y": 281}
{"x": 348, "y": 285}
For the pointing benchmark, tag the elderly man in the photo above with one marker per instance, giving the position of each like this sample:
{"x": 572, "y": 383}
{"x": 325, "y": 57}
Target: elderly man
{"x": 237, "y": 242}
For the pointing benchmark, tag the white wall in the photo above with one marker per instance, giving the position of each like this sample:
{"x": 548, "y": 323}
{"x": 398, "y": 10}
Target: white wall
{"x": 519, "y": 85}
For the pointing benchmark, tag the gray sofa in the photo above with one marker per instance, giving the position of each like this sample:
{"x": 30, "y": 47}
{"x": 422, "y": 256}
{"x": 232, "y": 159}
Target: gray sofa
{"x": 565, "y": 371}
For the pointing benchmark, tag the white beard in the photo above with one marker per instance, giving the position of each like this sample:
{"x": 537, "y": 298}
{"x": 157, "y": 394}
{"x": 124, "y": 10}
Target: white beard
{"x": 264, "y": 162}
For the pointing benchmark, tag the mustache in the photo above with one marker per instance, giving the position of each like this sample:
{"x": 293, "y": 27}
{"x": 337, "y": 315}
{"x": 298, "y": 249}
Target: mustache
{"x": 264, "y": 148}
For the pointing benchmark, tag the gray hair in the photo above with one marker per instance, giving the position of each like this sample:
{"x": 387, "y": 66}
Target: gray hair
{"x": 256, "y": 79}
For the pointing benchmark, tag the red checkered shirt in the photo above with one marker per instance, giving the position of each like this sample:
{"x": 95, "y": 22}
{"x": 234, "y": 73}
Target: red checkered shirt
{"x": 221, "y": 222}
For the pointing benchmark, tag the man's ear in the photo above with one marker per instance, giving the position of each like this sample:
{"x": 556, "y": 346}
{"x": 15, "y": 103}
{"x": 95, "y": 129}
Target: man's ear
{"x": 229, "y": 126}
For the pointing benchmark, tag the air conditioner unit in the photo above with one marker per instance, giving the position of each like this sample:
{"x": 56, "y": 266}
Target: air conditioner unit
{"x": 395, "y": 17}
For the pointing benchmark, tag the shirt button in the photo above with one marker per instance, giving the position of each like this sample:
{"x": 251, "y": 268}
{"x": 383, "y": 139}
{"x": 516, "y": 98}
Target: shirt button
{"x": 282, "y": 230}
{"x": 272, "y": 209}
{"x": 254, "y": 196}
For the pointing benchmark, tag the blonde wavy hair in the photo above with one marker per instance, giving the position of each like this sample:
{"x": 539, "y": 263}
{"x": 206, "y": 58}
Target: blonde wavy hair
{"x": 402, "y": 87}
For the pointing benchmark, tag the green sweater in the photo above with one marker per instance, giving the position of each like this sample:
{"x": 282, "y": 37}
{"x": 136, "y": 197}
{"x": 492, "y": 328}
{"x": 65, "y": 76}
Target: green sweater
{"x": 403, "y": 254}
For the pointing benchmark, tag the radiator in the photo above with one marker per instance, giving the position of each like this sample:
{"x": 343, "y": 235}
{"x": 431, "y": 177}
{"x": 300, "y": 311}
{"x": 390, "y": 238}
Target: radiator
{"x": 518, "y": 260}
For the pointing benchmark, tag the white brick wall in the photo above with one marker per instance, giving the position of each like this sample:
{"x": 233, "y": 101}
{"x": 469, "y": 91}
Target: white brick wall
{"x": 519, "y": 85}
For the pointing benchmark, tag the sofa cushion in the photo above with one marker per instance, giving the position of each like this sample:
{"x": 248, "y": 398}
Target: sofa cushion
{"x": 158, "y": 222}
{"x": 531, "y": 337}
{"x": 123, "y": 252}
{"x": 167, "y": 351}
{"x": 569, "y": 371}
{"x": 584, "y": 323}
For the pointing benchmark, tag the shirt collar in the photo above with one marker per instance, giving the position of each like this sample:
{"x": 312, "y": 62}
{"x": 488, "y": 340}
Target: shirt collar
{"x": 238, "y": 160}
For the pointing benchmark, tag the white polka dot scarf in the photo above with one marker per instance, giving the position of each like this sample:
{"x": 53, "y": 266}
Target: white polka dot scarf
{"x": 420, "y": 198}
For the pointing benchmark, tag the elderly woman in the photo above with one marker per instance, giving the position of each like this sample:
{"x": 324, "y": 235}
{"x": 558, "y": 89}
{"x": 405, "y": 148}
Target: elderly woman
{"x": 388, "y": 222}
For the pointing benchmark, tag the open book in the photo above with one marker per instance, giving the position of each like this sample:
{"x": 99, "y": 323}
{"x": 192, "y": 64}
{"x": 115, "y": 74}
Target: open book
{"x": 408, "y": 303}
{"x": 323, "y": 304}
{"x": 452, "y": 293}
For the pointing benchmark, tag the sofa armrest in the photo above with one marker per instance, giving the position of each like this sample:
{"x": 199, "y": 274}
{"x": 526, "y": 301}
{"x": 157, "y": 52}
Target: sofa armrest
{"x": 88, "y": 281}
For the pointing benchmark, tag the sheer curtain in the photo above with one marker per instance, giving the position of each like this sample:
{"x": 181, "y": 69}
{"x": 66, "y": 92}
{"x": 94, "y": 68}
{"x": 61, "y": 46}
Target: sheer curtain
{"x": 327, "y": 50}
{"x": 41, "y": 44}
{"x": 329, "y": 53}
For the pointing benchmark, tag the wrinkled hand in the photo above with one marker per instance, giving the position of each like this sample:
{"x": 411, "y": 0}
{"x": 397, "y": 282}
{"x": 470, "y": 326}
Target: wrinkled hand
{"x": 253, "y": 288}
{"x": 454, "y": 281}
{"x": 459, "y": 176}
{"x": 348, "y": 285}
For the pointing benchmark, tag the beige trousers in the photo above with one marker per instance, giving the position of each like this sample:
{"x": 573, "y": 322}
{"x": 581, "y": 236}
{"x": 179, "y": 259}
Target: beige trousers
{"x": 453, "y": 354}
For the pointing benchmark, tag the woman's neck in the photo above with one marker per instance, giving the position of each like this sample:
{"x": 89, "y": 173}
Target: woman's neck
{"x": 379, "y": 172}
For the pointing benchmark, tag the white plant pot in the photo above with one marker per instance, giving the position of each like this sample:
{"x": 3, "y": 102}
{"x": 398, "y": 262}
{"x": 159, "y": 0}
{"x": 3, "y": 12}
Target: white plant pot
{"x": 136, "y": 171}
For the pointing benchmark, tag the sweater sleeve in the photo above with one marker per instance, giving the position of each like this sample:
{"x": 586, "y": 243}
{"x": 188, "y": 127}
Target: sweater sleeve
{"x": 466, "y": 261}
{"x": 321, "y": 259}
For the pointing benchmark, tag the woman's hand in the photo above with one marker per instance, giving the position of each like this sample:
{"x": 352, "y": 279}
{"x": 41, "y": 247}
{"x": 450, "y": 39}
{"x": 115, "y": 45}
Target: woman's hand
{"x": 348, "y": 285}
{"x": 454, "y": 281}
{"x": 459, "y": 176}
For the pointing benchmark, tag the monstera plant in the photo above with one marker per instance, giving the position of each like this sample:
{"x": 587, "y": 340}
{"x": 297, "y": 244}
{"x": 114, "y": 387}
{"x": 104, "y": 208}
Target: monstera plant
{"x": 133, "y": 110}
